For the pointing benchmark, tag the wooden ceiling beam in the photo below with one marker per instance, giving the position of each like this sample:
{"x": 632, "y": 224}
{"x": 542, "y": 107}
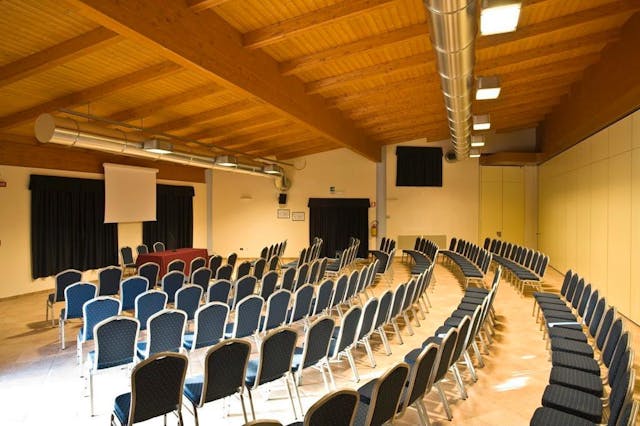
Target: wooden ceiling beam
{"x": 57, "y": 55}
{"x": 221, "y": 132}
{"x": 283, "y": 30}
{"x": 204, "y": 116}
{"x": 510, "y": 159}
{"x": 207, "y": 44}
{"x": 90, "y": 94}
{"x": 200, "y": 5}
{"x": 371, "y": 43}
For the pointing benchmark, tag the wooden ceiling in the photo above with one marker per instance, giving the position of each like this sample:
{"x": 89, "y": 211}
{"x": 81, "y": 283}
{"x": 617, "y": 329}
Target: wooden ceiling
{"x": 280, "y": 78}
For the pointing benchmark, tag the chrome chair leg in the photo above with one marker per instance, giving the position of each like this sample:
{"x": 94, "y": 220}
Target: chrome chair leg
{"x": 445, "y": 403}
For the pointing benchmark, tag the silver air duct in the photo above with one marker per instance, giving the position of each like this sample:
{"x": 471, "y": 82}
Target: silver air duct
{"x": 453, "y": 32}
{"x": 65, "y": 131}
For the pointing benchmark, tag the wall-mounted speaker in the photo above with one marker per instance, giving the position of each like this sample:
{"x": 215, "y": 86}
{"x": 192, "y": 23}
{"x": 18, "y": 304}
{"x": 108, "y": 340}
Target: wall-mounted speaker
{"x": 282, "y": 198}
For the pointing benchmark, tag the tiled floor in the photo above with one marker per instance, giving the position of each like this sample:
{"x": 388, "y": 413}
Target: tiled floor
{"x": 40, "y": 384}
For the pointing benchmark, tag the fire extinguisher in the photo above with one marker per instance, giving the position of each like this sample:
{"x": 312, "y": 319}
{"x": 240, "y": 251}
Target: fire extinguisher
{"x": 374, "y": 228}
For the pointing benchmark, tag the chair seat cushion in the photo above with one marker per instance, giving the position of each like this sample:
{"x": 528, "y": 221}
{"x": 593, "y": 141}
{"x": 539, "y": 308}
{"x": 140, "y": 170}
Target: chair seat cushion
{"x": 411, "y": 356}
{"x": 366, "y": 390}
{"x": 558, "y": 316}
{"x": 121, "y": 407}
{"x": 141, "y": 350}
{"x": 571, "y": 346}
{"x": 193, "y": 388}
{"x": 574, "y": 402}
{"x": 576, "y": 379}
{"x": 476, "y": 291}
{"x": 567, "y": 333}
{"x": 577, "y": 362}
{"x": 544, "y": 416}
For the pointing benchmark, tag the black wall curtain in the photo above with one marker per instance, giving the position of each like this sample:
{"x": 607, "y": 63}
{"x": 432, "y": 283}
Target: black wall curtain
{"x": 418, "y": 166}
{"x": 335, "y": 220}
{"x": 174, "y": 214}
{"x": 67, "y": 226}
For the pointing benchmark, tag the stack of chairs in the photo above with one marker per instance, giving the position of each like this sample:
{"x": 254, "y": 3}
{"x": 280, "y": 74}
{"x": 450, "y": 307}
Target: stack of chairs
{"x": 524, "y": 267}
{"x": 344, "y": 259}
{"x": 585, "y": 336}
{"x": 423, "y": 255}
{"x": 471, "y": 260}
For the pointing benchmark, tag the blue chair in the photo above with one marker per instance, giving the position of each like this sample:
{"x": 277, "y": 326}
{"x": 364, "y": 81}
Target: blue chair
{"x": 315, "y": 351}
{"x": 407, "y": 306}
{"x": 382, "y": 316}
{"x": 201, "y": 277}
{"x": 244, "y": 287}
{"x": 225, "y": 367}
{"x": 127, "y": 258}
{"x": 224, "y": 272}
{"x": 323, "y": 268}
{"x": 165, "y": 333}
{"x": 158, "y": 246}
{"x": 188, "y": 299}
{"x": 313, "y": 272}
{"x": 247, "y": 318}
{"x": 352, "y": 287}
{"x": 380, "y": 398}
{"x": 273, "y": 262}
{"x": 231, "y": 260}
{"x": 147, "y": 304}
{"x": 301, "y": 304}
{"x": 215, "y": 262}
{"x": 130, "y": 288}
{"x": 420, "y": 383}
{"x": 75, "y": 295}
{"x": 287, "y": 279}
{"x": 93, "y": 312}
{"x": 151, "y": 271}
{"x": 156, "y": 390}
{"x": 176, "y": 265}
{"x": 219, "y": 291}
{"x": 115, "y": 346}
{"x": 323, "y": 298}
{"x": 195, "y": 264}
{"x": 268, "y": 285}
{"x": 396, "y": 310}
{"x": 142, "y": 249}
{"x": 336, "y": 409}
{"x": 109, "y": 281}
{"x": 339, "y": 293}
{"x": 171, "y": 283}
{"x": 365, "y": 327}
{"x": 301, "y": 276}
{"x": 244, "y": 269}
{"x": 273, "y": 363}
{"x": 344, "y": 339}
{"x": 258, "y": 268}
{"x": 211, "y": 320}
{"x": 63, "y": 280}
{"x": 277, "y": 309}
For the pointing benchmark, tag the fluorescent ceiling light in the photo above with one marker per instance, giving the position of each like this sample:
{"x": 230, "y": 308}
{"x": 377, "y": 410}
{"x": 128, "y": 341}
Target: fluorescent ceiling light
{"x": 481, "y": 122}
{"x": 474, "y": 153}
{"x": 487, "y": 88}
{"x": 477, "y": 141}
{"x": 499, "y": 16}
{"x": 226, "y": 161}
{"x": 272, "y": 169}
{"x": 158, "y": 146}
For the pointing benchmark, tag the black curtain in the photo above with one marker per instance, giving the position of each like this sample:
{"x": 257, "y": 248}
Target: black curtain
{"x": 67, "y": 226}
{"x": 336, "y": 219}
{"x": 174, "y": 218}
{"x": 418, "y": 166}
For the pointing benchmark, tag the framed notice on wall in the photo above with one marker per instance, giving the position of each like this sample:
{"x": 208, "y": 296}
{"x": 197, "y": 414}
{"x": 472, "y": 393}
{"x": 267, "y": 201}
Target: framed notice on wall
{"x": 284, "y": 213}
{"x": 297, "y": 216}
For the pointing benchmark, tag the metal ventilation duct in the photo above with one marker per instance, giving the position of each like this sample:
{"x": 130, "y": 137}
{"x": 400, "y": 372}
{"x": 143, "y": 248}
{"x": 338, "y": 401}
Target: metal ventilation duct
{"x": 453, "y": 32}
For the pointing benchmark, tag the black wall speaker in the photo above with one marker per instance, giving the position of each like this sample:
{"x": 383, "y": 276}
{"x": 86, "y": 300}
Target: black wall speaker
{"x": 282, "y": 198}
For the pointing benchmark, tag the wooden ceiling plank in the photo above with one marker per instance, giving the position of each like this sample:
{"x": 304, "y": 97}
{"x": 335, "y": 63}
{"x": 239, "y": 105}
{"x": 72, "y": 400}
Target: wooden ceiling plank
{"x": 210, "y": 46}
{"x": 90, "y": 94}
{"x": 221, "y": 132}
{"x": 203, "y": 116}
{"x": 327, "y": 15}
{"x": 246, "y": 143}
{"x": 416, "y": 82}
{"x": 54, "y": 56}
{"x": 374, "y": 42}
{"x": 200, "y": 5}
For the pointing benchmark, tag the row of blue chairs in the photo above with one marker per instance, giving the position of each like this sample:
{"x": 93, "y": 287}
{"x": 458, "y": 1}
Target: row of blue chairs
{"x": 472, "y": 261}
{"x": 424, "y": 253}
{"x": 345, "y": 258}
{"x": 307, "y": 254}
{"x": 524, "y": 267}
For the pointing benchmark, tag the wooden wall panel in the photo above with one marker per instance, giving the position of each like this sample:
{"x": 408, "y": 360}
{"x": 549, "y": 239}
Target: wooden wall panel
{"x": 599, "y": 224}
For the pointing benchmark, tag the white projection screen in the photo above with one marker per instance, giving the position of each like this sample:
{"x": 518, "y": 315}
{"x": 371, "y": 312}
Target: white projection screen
{"x": 130, "y": 193}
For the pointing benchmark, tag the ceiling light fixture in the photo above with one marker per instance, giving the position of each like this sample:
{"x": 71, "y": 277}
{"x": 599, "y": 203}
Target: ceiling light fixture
{"x": 477, "y": 141}
{"x": 474, "y": 153}
{"x": 158, "y": 146}
{"x": 499, "y": 16}
{"x": 272, "y": 169}
{"x": 226, "y": 161}
{"x": 487, "y": 88}
{"x": 481, "y": 122}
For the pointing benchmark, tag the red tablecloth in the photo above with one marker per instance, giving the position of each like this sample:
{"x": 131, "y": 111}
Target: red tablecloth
{"x": 163, "y": 258}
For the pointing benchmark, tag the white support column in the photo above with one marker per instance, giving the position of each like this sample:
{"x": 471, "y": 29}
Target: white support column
{"x": 208, "y": 179}
{"x": 381, "y": 195}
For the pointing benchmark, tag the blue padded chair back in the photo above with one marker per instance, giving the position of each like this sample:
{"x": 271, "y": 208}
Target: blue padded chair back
{"x": 620, "y": 392}
{"x": 398, "y": 299}
{"x": 384, "y": 305}
{"x": 188, "y": 300}
{"x": 487, "y": 242}
{"x": 620, "y": 358}
{"x": 219, "y": 291}
{"x": 63, "y": 280}
{"x": 352, "y": 286}
{"x": 577, "y": 293}
{"x": 225, "y": 367}
{"x": 340, "y": 290}
{"x": 148, "y": 304}
{"x": 337, "y": 408}
{"x": 591, "y": 307}
{"x": 420, "y": 377}
{"x": 171, "y": 283}
{"x": 244, "y": 269}
{"x": 130, "y": 288}
{"x": 76, "y": 295}
{"x": 248, "y": 316}
{"x": 244, "y": 287}
{"x": 210, "y": 322}
{"x": 452, "y": 244}
{"x": 109, "y": 281}
{"x": 584, "y": 299}
{"x": 362, "y": 279}
{"x": 273, "y": 262}
{"x": 197, "y": 263}
{"x": 127, "y": 255}
{"x": 116, "y": 339}
{"x": 276, "y": 352}
{"x": 166, "y": 331}
{"x": 150, "y": 271}
{"x": 367, "y": 318}
{"x": 158, "y": 246}
{"x": 201, "y": 277}
{"x": 323, "y": 297}
{"x": 301, "y": 275}
{"x": 615, "y": 331}
{"x": 461, "y": 342}
{"x": 386, "y": 394}
{"x": 605, "y": 326}
{"x": 277, "y": 308}
{"x": 215, "y": 262}
{"x": 258, "y": 268}
{"x": 96, "y": 310}
{"x": 323, "y": 268}
{"x": 302, "y": 303}
{"x": 264, "y": 252}
{"x": 408, "y": 295}
{"x": 287, "y": 279}
{"x": 313, "y": 272}
{"x": 156, "y": 386}
{"x": 269, "y": 283}
{"x": 348, "y": 328}
{"x": 224, "y": 272}
{"x": 317, "y": 339}
{"x": 231, "y": 260}
{"x": 445, "y": 353}
{"x": 596, "y": 318}
{"x": 142, "y": 249}
{"x": 176, "y": 265}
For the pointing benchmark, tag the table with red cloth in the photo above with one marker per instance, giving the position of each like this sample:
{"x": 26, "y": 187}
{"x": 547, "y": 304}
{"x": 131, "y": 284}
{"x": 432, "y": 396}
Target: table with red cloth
{"x": 163, "y": 258}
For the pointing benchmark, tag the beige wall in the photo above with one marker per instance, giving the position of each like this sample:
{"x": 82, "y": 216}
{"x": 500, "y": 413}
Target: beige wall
{"x": 589, "y": 213}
